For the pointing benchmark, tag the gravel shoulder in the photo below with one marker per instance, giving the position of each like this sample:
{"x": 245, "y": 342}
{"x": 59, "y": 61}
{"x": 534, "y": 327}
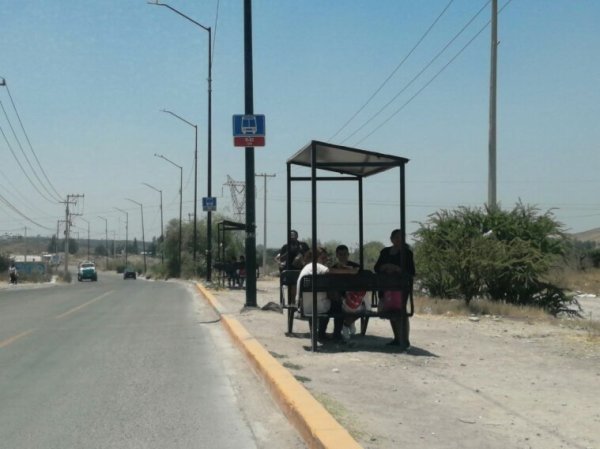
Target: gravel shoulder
{"x": 492, "y": 383}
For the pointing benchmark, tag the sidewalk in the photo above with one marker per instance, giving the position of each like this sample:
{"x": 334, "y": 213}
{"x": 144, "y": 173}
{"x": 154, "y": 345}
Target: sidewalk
{"x": 465, "y": 383}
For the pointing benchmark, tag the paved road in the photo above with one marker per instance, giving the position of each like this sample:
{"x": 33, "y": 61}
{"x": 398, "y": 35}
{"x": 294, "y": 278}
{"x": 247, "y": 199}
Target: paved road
{"x": 125, "y": 364}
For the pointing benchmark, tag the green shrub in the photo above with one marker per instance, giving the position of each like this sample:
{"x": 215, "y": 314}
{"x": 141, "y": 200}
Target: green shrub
{"x": 594, "y": 255}
{"x": 491, "y": 253}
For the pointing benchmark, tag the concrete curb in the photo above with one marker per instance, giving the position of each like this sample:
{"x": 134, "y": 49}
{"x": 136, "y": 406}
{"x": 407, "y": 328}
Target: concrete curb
{"x": 314, "y": 423}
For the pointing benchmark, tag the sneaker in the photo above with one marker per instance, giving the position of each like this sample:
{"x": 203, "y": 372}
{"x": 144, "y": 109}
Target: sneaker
{"x": 352, "y": 329}
{"x": 346, "y": 333}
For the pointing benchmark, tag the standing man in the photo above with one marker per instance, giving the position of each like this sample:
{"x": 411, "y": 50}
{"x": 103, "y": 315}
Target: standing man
{"x": 291, "y": 255}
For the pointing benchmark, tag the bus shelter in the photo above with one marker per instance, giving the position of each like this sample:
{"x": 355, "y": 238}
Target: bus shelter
{"x": 330, "y": 162}
{"x": 222, "y": 264}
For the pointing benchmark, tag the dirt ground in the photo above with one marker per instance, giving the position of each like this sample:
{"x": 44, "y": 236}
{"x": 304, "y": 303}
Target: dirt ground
{"x": 479, "y": 383}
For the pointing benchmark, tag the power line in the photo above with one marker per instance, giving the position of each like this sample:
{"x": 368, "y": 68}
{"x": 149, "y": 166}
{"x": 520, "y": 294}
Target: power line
{"x": 17, "y": 211}
{"x": 434, "y": 77}
{"x": 395, "y": 70}
{"x": 418, "y": 75}
{"x": 22, "y": 169}
{"x": 15, "y": 194}
{"x": 29, "y": 141}
{"x": 23, "y": 151}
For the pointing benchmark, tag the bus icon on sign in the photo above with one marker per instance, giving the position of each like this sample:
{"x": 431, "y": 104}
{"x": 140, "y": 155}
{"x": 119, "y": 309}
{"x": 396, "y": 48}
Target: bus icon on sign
{"x": 249, "y": 124}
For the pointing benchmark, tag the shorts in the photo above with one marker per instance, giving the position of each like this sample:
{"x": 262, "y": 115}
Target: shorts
{"x": 353, "y": 302}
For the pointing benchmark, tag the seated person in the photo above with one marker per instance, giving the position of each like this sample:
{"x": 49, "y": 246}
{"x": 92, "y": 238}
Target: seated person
{"x": 232, "y": 274}
{"x": 241, "y": 271}
{"x": 323, "y": 302}
{"x": 350, "y": 302}
{"x": 324, "y": 299}
{"x": 291, "y": 257}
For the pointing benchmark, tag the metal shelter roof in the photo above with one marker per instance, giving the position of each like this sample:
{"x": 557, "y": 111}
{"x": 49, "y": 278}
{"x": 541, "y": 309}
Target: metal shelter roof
{"x": 345, "y": 160}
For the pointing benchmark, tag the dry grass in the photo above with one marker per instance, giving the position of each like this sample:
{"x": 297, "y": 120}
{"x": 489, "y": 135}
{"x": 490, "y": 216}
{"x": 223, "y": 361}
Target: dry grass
{"x": 456, "y": 307}
{"x": 587, "y": 281}
{"x": 590, "y": 326}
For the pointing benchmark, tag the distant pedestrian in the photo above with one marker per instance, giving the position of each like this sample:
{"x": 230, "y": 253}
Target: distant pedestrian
{"x": 13, "y": 274}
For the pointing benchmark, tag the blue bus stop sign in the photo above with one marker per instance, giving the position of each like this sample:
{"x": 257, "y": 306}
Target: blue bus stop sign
{"x": 249, "y": 130}
{"x": 209, "y": 203}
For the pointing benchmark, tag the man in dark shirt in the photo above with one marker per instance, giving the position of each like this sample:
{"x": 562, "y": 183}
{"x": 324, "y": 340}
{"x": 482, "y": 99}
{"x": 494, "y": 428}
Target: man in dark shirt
{"x": 290, "y": 255}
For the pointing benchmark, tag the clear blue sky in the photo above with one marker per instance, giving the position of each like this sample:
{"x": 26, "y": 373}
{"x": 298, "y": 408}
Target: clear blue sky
{"x": 90, "y": 77}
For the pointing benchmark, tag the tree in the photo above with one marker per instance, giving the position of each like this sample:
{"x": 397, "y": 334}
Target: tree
{"x": 53, "y": 246}
{"x": 73, "y": 246}
{"x": 594, "y": 255}
{"x": 100, "y": 250}
{"x": 501, "y": 255}
{"x": 371, "y": 252}
{"x": 133, "y": 248}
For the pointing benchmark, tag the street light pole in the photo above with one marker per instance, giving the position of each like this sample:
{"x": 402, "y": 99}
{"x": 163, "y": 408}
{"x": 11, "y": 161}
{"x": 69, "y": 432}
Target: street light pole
{"x": 143, "y": 236}
{"x": 105, "y": 237}
{"x": 195, "y": 243}
{"x": 250, "y": 204}
{"x": 265, "y": 176}
{"x": 126, "y": 231}
{"x": 209, "y": 149}
{"x": 162, "y": 237}
{"x": 180, "y": 203}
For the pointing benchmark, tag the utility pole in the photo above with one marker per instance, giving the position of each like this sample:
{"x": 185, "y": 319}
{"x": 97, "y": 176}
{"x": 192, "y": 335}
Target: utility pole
{"x": 56, "y": 239}
{"x": 71, "y": 199}
{"x": 265, "y": 176}
{"x": 492, "y": 130}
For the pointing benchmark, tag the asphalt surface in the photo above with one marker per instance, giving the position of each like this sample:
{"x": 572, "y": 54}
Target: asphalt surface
{"x": 126, "y": 364}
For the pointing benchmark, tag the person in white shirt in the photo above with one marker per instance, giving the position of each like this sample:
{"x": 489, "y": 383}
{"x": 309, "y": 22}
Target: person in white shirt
{"x": 323, "y": 302}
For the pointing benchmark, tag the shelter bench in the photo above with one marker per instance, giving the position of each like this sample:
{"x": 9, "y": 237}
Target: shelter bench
{"x": 369, "y": 282}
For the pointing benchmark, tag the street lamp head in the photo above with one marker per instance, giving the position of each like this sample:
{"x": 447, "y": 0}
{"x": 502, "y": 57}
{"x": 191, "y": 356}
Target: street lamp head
{"x": 2, "y": 81}
{"x": 152, "y": 187}
{"x": 134, "y": 201}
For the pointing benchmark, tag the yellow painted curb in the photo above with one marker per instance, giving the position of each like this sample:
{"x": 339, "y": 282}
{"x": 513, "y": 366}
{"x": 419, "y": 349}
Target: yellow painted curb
{"x": 314, "y": 423}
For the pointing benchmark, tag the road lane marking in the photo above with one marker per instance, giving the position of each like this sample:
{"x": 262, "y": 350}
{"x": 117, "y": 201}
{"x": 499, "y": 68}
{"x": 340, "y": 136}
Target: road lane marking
{"x": 14, "y": 338}
{"x": 81, "y": 306}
